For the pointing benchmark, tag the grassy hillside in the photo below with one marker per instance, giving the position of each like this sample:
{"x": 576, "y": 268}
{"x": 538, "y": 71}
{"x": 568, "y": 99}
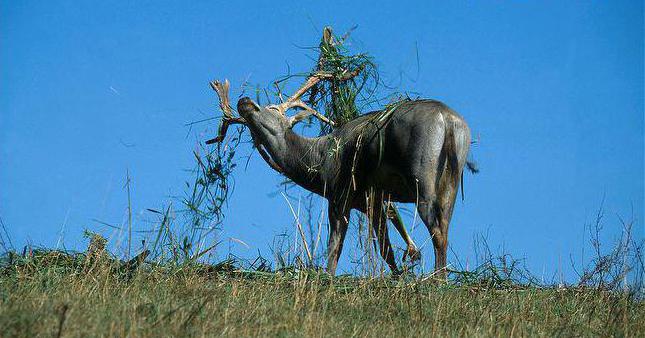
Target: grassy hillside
{"x": 57, "y": 294}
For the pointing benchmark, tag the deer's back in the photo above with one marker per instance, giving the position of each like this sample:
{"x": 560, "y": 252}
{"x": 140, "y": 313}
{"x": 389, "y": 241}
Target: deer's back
{"x": 391, "y": 150}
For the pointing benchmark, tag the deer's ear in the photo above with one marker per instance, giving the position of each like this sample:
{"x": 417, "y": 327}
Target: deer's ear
{"x": 246, "y": 105}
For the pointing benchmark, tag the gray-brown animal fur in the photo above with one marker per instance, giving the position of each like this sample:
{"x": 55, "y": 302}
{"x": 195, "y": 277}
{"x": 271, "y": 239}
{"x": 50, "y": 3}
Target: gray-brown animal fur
{"x": 414, "y": 153}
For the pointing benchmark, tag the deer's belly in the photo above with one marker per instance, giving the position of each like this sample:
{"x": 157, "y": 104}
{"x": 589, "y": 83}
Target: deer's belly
{"x": 395, "y": 185}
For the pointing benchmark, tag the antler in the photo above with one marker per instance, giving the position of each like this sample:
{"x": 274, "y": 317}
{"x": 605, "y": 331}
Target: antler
{"x": 225, "y": 105}
{"x": 228, "y": 119}
{"x": 295, "y": 102}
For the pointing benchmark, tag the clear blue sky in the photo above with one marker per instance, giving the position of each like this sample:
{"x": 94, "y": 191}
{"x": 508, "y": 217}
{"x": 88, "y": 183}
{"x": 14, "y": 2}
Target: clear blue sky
{"x": 89, "y": 90}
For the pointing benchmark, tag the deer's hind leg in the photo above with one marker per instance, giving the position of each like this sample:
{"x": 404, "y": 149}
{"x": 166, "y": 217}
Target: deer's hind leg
{"x": 445, "y": 204}
{"x": 428, "y": 209}
{"x": 436, "y": 204}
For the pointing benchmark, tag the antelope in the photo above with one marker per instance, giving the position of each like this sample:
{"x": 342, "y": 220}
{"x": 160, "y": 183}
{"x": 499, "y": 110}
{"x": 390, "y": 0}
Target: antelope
{"x": 412, "y": 153}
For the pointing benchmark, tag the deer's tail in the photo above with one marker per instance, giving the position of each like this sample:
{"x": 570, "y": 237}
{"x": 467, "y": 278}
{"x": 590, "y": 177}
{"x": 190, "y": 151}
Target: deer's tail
{"x": 456, "y": 147}
{"x": 472, "y": 166}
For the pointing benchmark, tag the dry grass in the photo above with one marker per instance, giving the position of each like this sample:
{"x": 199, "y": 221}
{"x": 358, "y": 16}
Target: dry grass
{"x": 45, "y": 292}
{"x": 162, "y": 292}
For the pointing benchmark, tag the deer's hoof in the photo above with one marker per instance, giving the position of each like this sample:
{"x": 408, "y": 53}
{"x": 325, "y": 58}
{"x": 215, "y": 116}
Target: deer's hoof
{"x": 412, "y": 255}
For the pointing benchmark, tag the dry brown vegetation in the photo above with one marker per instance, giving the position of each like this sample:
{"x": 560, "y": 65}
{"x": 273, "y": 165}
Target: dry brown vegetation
{"x": 50, "y": 293}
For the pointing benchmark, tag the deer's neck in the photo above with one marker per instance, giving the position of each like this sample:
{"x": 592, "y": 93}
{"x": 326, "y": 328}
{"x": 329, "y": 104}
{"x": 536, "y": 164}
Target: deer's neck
{"x": 302, "y": 159}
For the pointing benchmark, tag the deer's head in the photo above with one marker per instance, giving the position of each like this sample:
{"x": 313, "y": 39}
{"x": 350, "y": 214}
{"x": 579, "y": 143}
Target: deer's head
{"x": 262, "y": 120}
{"x": 269, "y": 120}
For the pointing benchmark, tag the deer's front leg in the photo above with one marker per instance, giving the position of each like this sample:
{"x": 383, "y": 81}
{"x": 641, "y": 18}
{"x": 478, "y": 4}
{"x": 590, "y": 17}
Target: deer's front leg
{"x": 393, "y": 214}
{"x": 379, "y": 223}
{"x": 338, "y": 221}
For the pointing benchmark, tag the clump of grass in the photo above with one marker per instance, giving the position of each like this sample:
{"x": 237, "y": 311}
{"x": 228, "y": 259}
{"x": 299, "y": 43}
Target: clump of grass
{"x": 619, "y": 267}
{"x": 190, "y": 232}
{"x": 338, "y": 97}
{"x": 206, "y": 197}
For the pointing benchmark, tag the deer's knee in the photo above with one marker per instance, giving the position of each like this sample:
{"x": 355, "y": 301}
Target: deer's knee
{"x": 439, "y": 238}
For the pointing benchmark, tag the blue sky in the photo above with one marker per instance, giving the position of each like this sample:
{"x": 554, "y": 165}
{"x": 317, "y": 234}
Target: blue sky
{"x": 91, "y": 90}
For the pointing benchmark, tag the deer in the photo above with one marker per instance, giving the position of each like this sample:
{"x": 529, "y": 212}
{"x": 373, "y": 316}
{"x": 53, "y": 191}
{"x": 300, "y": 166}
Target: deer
{"x": 413, "y": 153}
